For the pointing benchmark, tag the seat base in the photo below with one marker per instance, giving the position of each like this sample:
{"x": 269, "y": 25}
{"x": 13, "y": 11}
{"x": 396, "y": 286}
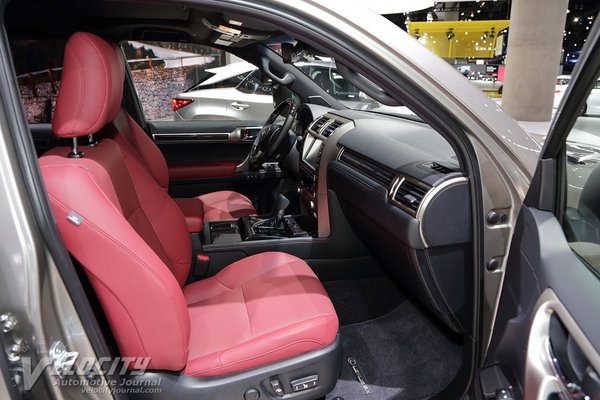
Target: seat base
{"x": 325, "y": 363}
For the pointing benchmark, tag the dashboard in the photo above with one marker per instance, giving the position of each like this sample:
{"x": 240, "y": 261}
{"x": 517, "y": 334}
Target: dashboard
{"x": 401, "y": 188}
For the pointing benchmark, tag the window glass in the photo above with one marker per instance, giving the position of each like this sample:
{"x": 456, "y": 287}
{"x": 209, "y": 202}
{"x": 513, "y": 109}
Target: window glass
{"x": 38, "y": 64}
{"x": 322, "y": 70}
{"x": 582, "y": 214}
{"x": 185, "y": 82}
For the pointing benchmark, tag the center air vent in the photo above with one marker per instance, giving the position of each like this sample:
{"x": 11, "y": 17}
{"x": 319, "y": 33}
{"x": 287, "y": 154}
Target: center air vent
{"x": 409, "y": 195}
{"x": 318, "y": 124}
{"x": 329, "y": 129}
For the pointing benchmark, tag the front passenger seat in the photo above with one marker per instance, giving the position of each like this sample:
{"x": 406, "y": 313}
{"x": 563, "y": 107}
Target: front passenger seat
{"x": 266, "y": 317}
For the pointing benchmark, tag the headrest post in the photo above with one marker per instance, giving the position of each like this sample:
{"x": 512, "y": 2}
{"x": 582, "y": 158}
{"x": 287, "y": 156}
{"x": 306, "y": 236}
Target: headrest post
{"x": 75, "y": 153}
{"x": 91, "y": 141}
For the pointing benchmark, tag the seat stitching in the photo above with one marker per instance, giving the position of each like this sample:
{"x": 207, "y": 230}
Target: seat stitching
{"x": 257, "y": 356}
{"x": 133, "y": 255}
{"x": 313, "y": 323}
{"x": 247, "y": 312}
{"x": 106, "y": 85}
{"x": 81, "y": 91}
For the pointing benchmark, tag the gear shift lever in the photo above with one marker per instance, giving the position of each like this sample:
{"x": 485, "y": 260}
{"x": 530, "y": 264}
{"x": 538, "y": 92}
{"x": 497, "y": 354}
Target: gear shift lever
{"x": 281, "y": 203}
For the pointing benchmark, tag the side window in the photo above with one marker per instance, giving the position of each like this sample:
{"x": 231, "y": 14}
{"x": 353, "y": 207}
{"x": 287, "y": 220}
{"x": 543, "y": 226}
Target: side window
{"x": 582, "y": 214}
{"x": 189, "y": 82}
{"x": 38, "y": 64}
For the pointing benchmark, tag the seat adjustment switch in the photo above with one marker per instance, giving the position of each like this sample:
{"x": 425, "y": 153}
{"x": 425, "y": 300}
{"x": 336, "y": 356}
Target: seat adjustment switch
{"x": 276, "y": 386}
{"x": 305, "y": 383}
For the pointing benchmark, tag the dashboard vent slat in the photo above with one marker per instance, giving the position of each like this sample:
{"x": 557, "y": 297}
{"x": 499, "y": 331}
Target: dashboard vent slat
{"x": 329, "y": 129}
{"x": 409, "y": 195}
{"x": 318, "y": 124}
{"x": 369, "y": 168}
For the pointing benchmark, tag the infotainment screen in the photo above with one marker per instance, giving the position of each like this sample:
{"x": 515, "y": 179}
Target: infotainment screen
{"x": 310, "y": 152}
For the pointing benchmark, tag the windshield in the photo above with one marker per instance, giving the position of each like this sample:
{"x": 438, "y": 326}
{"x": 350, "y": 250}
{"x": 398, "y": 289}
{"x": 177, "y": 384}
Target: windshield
{"x": 322, "y": 70}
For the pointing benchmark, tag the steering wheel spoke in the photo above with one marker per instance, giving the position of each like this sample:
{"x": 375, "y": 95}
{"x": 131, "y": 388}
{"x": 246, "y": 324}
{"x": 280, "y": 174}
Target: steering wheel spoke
{"x": 270, "y": 138}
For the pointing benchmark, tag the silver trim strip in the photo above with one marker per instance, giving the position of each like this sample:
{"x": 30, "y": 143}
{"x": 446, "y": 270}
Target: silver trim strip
{"x": 398, "y": 180}
{"x": 541, "y": 378}
{"x": 234, "y": 136}
{"x": 428, "y": 198}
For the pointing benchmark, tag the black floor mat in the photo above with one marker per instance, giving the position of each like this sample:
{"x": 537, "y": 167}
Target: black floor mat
{"x": 361, "y": 300}
{"x": 402, "y": 355}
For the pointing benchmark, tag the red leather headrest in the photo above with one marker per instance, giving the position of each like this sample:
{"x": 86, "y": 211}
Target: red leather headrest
{"x": 91, "y": 87}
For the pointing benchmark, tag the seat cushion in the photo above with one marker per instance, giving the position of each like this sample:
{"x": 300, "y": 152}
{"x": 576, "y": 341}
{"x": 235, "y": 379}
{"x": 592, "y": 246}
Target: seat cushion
{"x": 225, "y": 205}
{"x": 261, "y": 309}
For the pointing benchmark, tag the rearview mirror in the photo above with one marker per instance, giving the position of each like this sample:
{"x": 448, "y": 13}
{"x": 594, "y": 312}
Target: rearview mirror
{"x": 287, "y": 53}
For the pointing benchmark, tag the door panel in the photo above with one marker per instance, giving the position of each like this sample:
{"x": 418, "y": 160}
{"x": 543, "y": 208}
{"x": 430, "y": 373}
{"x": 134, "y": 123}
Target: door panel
{"x": 544, "y": 277}
{"x": 546, "y": 338}
{"x": 202, "y": 157}
{"x": 195, "y": 143}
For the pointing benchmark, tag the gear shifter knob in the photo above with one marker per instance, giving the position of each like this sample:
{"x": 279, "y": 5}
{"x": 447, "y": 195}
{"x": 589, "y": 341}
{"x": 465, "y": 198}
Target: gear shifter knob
{"x": 281, "y": 203}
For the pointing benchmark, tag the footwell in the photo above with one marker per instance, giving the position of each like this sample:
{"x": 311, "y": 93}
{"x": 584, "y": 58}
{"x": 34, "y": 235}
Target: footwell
{"x": 401, "y": 355}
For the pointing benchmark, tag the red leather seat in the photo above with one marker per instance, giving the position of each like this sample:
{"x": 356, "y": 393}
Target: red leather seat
{"x": 221, "y": 205}
{"x": 132, "y": 240}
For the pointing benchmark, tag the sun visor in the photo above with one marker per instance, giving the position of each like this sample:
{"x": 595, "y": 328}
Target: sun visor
{"x": 233, "y": 34}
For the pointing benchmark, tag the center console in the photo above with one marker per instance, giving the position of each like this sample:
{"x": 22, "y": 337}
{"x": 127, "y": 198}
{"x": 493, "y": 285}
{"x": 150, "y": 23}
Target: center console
{"x": 254, "y": 228}
{"x": 307, "y": 235}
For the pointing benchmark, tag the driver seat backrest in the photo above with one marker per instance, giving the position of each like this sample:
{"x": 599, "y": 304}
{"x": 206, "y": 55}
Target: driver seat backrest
{"x": 123, "y": 228}
{"x": 133, "y": 141}
{"x": 137, "y": 144}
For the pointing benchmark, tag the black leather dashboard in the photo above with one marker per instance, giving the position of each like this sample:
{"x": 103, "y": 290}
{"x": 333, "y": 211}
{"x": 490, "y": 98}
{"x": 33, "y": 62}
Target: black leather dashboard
{"x": 404, "y": 193}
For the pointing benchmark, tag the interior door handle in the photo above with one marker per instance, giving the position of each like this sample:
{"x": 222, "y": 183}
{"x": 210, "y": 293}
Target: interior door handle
{"x": 239, "y": 106}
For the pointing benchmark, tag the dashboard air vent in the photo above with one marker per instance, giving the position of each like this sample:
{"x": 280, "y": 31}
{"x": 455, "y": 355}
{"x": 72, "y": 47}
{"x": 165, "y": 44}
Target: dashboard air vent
{"x": 329, "y": 129}
{"x": 409, "y": 195}
{"x": 318, "y": 124}
{"x": 374, "y": 171}
{"x": 439, "y": 168}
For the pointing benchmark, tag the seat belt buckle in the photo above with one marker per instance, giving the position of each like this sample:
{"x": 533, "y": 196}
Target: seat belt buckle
{"x": 200, "y": 267}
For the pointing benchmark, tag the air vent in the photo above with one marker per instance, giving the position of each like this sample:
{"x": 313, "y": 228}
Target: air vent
{"x": 439, "y": 168}
{"x": 329, "y": 129}
{"x": 369, "y": 168}
{"x": 410, "y": 194}
{"x": 318, "y": 124}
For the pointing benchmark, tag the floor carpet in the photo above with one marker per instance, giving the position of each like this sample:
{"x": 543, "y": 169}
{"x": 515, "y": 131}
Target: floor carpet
{"x": 359, "y": 300}
{"x": 401, "y": 355}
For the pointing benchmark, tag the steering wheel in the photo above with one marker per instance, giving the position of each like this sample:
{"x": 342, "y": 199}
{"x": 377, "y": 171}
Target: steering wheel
{"x": 272, "y": 134}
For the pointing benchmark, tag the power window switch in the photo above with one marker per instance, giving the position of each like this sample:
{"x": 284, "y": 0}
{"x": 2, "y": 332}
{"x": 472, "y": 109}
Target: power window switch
{"x": 276, "y": 386}
{"x": 305, "y": 383}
